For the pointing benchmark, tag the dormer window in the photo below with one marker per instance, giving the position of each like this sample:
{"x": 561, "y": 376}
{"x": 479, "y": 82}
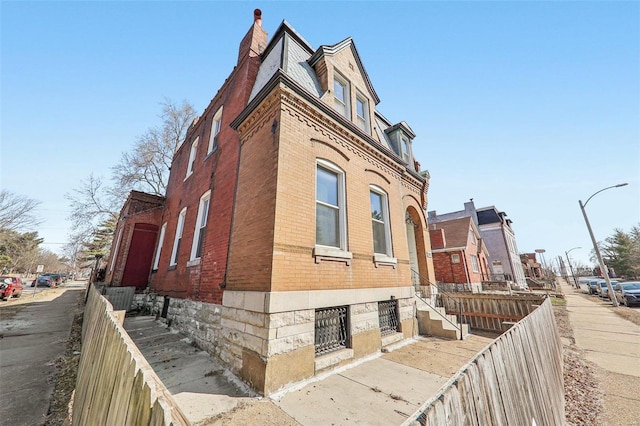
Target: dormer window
{"x": 215, "y": 129}
{"x": 404, "y": 146}
{"x": 341, "y": 95}
{"x": 362, "y": 112}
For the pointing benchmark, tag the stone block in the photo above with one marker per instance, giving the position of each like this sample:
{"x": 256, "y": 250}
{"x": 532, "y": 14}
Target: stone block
{"x": 305, "y": 316}
{"x": 293, "y": 330}
{"x": 249, "y": 317}
{"x": 281, "y": 319}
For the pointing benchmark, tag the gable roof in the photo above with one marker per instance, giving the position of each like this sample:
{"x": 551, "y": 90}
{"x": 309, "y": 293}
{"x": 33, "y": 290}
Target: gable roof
{"x": 456, "y": 231}
{"x": 348, "y": 42}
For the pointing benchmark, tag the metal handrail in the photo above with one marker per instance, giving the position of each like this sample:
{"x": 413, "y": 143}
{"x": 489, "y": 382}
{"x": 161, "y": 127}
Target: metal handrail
{"x": 425, "y": 281}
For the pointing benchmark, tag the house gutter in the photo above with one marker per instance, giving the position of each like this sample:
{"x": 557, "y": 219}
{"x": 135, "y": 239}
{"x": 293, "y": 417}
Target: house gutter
{"x": 466, "y": 268}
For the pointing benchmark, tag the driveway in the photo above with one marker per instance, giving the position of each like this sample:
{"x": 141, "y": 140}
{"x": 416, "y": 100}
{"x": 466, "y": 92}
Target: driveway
{"x": 33, "y": 333}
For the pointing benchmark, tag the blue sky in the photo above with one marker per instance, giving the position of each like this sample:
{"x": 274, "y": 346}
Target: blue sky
{"x": 528, "y": 106}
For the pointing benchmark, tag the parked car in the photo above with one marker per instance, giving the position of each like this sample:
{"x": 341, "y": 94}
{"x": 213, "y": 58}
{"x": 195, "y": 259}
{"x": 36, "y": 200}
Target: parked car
{"x": 45, "y": 281}
{"x": 583, "y": 282}
{"x": 10, "y": 286}
{"x": 57, "y": 279}
{"x": 603, "y": 290}
{"x": 593, "y": 286}
{"x": 628, "y": 293}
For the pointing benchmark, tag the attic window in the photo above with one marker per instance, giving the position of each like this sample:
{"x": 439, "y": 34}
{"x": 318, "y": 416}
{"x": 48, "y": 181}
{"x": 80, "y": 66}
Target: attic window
{"x": 341, "y": 95}
{"x": 362, "y": 112}
{"x": 404, "y": 147}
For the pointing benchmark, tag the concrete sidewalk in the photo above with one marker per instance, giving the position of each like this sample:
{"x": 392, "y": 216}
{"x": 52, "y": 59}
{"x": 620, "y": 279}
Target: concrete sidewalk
{"x": 381, "y": 390}
{"x": 613, "y": 344}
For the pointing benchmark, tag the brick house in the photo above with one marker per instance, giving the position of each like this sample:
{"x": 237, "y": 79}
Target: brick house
{"x": 294, "y": 216}
{"x": 459, "y": 254}
{"x": 135, "y": 239}
{"x": 498, "y": 236}
{"x": 532, "y": 268}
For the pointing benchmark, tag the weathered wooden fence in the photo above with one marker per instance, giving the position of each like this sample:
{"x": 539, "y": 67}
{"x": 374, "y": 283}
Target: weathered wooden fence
{"x": 490, "y": 311}
{"x": 516, "y": 380}
{"x": 115, "y": 384}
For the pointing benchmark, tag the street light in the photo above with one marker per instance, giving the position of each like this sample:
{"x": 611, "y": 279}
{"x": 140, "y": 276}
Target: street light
{"x": 603, "y": 268}
{"x": 566, "y": 253}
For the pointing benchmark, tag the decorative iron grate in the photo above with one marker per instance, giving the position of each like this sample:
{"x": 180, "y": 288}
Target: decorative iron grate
{"x": 388, "y": 317}
{"x": 332, "y": 330}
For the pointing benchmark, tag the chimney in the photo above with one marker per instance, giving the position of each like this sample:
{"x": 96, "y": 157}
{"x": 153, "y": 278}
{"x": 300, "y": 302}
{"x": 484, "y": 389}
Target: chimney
{"x": 437, "y": 238}
{"x": 255, "y": 41}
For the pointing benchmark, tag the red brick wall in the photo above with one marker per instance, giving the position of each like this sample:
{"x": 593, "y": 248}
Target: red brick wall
{"x": 215, "y": 172}
{"x": 120, "y": 248}
{"x": 449, "y": 272}
{"x": 437, "y": 238}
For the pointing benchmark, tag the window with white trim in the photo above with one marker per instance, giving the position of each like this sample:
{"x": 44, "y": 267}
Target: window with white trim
{"x": 331, "y": 222}
{"x": 472, "y": 236}
{"x": 380, "y": 221}
{"x": 362, "y": 112}
{"x": 201, "y": 225}
{"x": 404, "y": 146}
{"x": 156, "y": 261}
{"x": 341, "y": 95}
{"x": 192, "y": 157}
{"x": 216, "y": 124}
{"x": 455, "y": 258}
{"x": 474, "y": 263}
{"x": 178, "y": 238}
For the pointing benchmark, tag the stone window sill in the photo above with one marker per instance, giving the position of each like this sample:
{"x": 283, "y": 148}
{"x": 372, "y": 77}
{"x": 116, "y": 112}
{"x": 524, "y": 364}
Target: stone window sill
{"x": 384, "y": 260}
{"x": 172, "y": 267}
{"x": 193, "y": 262}
{"x": 332, "y": 254}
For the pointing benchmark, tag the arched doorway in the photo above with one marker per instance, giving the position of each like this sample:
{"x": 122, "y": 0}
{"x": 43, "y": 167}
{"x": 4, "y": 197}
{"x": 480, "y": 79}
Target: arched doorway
{"x": 416, "y": 247}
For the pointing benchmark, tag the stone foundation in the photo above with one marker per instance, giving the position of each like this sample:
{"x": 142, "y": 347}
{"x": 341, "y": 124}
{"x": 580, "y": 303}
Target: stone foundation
{"x": 271, "y": 350}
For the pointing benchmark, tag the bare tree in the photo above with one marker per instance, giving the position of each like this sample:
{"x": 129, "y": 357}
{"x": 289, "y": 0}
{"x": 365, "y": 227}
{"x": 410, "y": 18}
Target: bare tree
{"x": 17, "y": 211}
{"x": 93, "y": 202}
{"x": 146, "y": 167}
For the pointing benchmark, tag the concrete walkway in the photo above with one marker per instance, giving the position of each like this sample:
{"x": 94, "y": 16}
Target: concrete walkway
{"x": 33, "y": 334}
{"x": 613, "y": 344}
{"x": 380, "y": 390}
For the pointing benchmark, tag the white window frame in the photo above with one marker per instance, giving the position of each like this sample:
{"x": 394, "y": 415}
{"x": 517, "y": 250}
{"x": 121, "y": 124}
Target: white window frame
{"x": 342, "y": 211}
{"x": 343, "y": 106}
{"x": 216, "y": 125}
{"x": 475, "y": 266}
{"x": 384, "y": 200}
{"x": 156, "y": 261}
{"x": 178, "y": 237}
{"x": 472, "y": 236}
{"x": 191, "y": 165}
{"x": 201, "y": 222}
{"x": 455, "y": 258}
{"x": 365, "y": 109}
{"x": 406, "y": 153}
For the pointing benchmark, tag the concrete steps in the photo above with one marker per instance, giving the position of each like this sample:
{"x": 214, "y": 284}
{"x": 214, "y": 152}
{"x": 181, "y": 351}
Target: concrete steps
{"x": 431, "y": 321}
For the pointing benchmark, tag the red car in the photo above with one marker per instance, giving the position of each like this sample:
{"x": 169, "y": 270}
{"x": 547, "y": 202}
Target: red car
{"x": 10, "y": 287}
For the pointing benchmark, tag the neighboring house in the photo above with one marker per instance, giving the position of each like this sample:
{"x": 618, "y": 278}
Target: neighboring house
{"x": 532, "y": 269}
{"x": 135, "y": 238}
{"x": 294, "y": 216}
{"x": 498, "y": 236}
{"x": 459, "y": 255}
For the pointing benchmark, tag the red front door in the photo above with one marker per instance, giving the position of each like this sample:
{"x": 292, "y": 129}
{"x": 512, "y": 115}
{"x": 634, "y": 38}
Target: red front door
{"x": 140, "y": 256}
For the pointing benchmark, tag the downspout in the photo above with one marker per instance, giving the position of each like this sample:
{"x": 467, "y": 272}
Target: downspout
{"x": 466, "y": 270}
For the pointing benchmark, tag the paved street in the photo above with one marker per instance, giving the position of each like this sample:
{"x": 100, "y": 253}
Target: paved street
{"x": 33, "y": 334}
{"x": 613, "y": 344}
